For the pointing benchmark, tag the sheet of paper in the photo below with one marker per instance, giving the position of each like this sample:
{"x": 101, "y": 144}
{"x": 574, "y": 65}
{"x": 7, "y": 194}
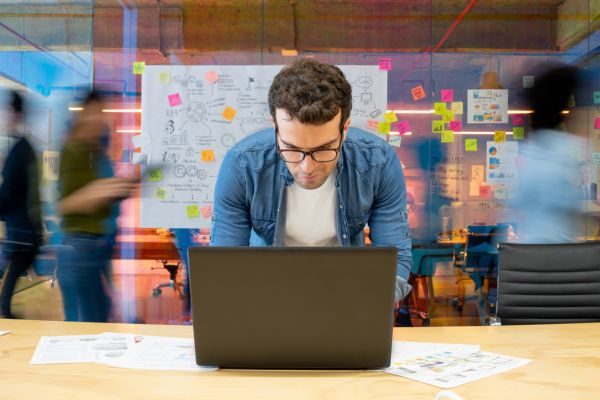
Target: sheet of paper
{"x": 487, "y": 106}
{"x": 2, "y": 333}
{"x": 395, "y": 140}
{"x": 161, "y": 353}
{"x": 81, "y": 348}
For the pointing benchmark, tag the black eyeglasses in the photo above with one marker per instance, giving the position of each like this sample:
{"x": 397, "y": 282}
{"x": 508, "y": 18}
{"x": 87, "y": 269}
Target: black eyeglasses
{"x": 319, "y": 155}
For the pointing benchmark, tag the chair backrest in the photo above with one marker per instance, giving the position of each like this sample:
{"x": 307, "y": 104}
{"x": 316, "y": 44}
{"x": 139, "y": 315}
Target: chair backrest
{"x": 548, "y": 283}
{"x": 481, "y": 247}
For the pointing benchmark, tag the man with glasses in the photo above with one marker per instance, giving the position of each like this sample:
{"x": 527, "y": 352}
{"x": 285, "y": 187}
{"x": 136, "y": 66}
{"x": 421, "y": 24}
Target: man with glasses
{"x": 312, "y": 180}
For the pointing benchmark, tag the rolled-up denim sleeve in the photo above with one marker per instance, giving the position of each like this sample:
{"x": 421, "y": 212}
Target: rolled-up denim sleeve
{"x": 388, "y": 224}
{"x": 231, "y": 224}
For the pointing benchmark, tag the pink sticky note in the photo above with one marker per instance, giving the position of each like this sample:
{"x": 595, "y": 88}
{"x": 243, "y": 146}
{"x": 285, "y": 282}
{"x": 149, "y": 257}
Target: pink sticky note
{"x": 456, "y": 126}
{"x": 447, "y": 95}
{"x": 174, "y": 99}
{"x": 206, "y": 212}
{"x": 518, "y": 119}
{"x": 372, "y": 124}
{"x": 597, "y": 123}
{"x": 211, "y": 76}
{"x": 385, "y": 64}
{"x": 485, "y": 191}
{"x": 403, "y": 127}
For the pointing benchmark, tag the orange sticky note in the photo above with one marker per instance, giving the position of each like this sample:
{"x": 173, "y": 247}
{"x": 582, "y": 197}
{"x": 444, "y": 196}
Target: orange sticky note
{"x": 192, "y": 211}
{"x": 229, "y": 113}
{"x": 211, "y": 77}
{"x": 499, "y": 136}
{"x": 418, "y": 93}
{"x": 206, "y": 212}
{"x": 207, "y": 155}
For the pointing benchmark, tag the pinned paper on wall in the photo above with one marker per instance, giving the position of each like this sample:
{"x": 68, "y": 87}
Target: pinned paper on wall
{"x": 471, "y": 144}
{"x": 418, "y": 93}
{"x": 174, "y": 99}
{"x": 164, "y": 77}
{"x": 447, "y": 137}
{"x": 383, "y": 127}
{"x": 596, "y": 158}
{"x": 385, "y": 64}
{"x": 439, "y": 108}
{"x": 206, "y": 212}
{"x": 390, "y": 116}
{"x": 437, "y": 126}
{"x": 141, "y": 140}
{"x": 597, "y": 98}
{"x": 518, "y": 119}
{"x": 155, "y": 175}
{"x": 139, "y": 67}
{"x": 448, "y": 116}
{"x": 161, "y": 193}
{"x": 597, "y": 123}
{"x": 395, "y": 140}
{"x": 211, "y": 76}
{"x": 499, "y": 136}
{"x": 447, "y": 95}
{"x": 457, "y": 107}
{"x": 456, "y": 126}
{"x": 518, "y": 133}
{"x": 487, "y": 106}
{"x": 528, "y": 81}
{"x": 403, "y": 127}
{"x": 229, "y": 113}
{"x": 207, "y": 156}
{"x": 192, "y": 211}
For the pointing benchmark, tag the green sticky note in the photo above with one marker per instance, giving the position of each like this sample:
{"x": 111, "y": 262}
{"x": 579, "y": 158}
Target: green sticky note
{"x": 499, "y": 136}
{"x": 518, "y": 133}
{"x": 383, "y": 127}
{"x": 139, "y": 67}
{"x": 161, "y": 193}
{"x": 437, "y": 126}
{"x": 193, "y": 211}
{"x": 457, "y": 107}
{"x": 447, "y": 137}
{"x": 439, "y": 108}
{"x": 448, "y": 116}
{"x": 471, "y": 144}
{"x": 390, "y": 116}
{"x": 155, "y": 175}
{"x": 597, "y": 98}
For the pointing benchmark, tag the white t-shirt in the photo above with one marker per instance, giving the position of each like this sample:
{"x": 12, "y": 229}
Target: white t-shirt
{"x": 310, "y": 215}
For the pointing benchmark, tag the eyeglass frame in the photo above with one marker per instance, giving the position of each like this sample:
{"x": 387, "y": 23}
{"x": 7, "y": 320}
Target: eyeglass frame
{"x": 308, "y": 153}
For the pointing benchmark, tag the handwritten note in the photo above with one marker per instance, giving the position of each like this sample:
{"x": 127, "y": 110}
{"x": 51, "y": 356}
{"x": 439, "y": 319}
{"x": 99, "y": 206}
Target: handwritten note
{"x": 437, "y": 126}
{"x": 161, "y": 193}
{"x": 383, "y": 127}
{"x": 139, "y": 67}
{"x": 447, "y": 137}
{"x": 390, "y": 116}
{"x": 403, "y": 127}
{"x": 164, "y": 77}
{"x": 456, "y": 126}
{"x": 192, "y": 211}
{"x": 174, "y": 99}
{"x": 155, "y": 175}
{"x": 229, "y": 113}
{"x": 418, "y": 93}
{"x": 471, "y": 144}
{"x": 385, "y": 64}
{"x": 518, "y": 119}
{"x": 207, "y": 156}
{"x": 447, "y": 95}
{"x": 211, "y": 76}
{"x": 518, "y": 133}
{"x": 499, "y": 136}
{"x": 439, "y": 108}
{"x": 457, "y": 107}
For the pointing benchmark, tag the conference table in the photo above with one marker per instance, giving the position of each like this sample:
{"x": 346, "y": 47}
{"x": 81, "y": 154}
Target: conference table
{"x": 566, "y": 365}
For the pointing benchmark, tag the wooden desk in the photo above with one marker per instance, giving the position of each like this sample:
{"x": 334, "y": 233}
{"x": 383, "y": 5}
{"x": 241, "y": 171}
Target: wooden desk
{"x": 566, "y": 365}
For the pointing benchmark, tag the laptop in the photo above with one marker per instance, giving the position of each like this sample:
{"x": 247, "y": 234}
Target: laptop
{"x": 293, "y": 307}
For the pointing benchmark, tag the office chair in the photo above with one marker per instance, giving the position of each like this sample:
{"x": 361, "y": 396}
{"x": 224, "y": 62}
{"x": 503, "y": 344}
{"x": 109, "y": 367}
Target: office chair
{"x": 549, "y": 283}
{"x": 172, "y": 268}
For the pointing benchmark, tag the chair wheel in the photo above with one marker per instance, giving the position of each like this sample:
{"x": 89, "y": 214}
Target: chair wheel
{"x": 156, "y": 292}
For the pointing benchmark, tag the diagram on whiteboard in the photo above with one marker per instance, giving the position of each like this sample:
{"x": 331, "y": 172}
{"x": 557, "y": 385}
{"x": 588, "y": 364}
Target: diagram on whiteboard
{"x": 192, "y": 115}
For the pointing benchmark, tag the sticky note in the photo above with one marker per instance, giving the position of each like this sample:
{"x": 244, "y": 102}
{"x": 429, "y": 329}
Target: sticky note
{"x": 571, "y": 102}
{"x": 229, "y": 113}
{"x": 456, "y": 126}
{"x": 499, "y": 136}
{"x": 471, "y": 144}
{"x": 596, "y": 158}
{"x": 403, "y": 127}
{"x": 597, "y": 98}
{"x": 518, "y": 119}
{"x": 206, "y": 212}
{"x": 439, "y": 108}
{"x": 418, "y": 93}
{"x": 372, "y": 124}
{"x": 457, "y": 107}
{"x": 161, "y": 193}
{"x": 485, "y": 191}
{"x": 390, "y": 116}
{"x": 211, "y": 76}
{"x": 385, "y": 64}
{"x": 164, "y": 77}
{"x": 155, "y": 175}
{"x": 528, "y": 81}
{"x": 597, "y": 123}
{"x": 383, "y": 127}
{"x": 140, "y": 140}
{"x": 448, "y": 116}
{"x": 174, "y": 99}
{"x": 437, "y": 126}
{"x": 193, "y": 211}
{"x": 447, "y": 137}
{"x": 139, "y": 67}
{"x": 207, "y": 155}
{"x": 518, "y": 133}
{"x": 447, "y": 95}
{"x": 395, "y": 140}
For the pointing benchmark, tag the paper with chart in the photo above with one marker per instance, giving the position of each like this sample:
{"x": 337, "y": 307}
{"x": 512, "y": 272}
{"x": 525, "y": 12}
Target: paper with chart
{"x": 447, "y": 365}
{"x": 192, "y": 115}
{"x": 487, "y": 106}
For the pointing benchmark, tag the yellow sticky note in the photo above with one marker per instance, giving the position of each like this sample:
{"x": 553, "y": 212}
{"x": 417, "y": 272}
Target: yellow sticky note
{"x": 229, "y": 113}
{"x": 193, "y": 211}
{"x": 448, "y": 116}
{"x": 161, "y": 193}
{"x": 437, "y": 126}
{"x": 139, "y": 67}
{"x": 164, "y": 77}
{"x": 155, "y": 175}
{"x": 207, "y": 155}
{"x": 518, "y": 133}
{"x": 390, "y": 116}
{"x": 499, "y": 136}
{"x": 439, "y": 108}
{"x": 471, "y": 144}
{"x": 447, "y": 136}
{"x": 457, "y": 107}
{"x": 383, "y": 127}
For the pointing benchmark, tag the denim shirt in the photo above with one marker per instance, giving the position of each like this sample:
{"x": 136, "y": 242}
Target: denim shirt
{"x": 250, "y": 197}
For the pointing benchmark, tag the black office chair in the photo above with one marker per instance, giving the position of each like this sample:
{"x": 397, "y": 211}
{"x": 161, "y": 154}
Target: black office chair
{"x": 548, "y": 283}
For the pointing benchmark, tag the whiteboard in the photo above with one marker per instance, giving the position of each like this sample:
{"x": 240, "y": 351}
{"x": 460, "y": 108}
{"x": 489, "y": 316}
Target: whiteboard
{"x": 191, "y": 116}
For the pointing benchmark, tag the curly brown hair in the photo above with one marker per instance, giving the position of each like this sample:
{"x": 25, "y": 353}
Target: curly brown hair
{"x": 311, "y": 92}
